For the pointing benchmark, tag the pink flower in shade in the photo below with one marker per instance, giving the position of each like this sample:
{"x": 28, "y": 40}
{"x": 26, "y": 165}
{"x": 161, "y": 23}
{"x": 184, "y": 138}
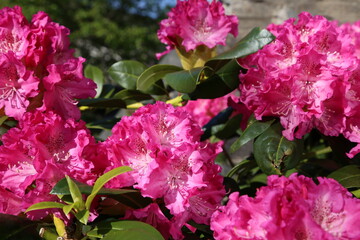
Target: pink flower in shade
{"x": 203, "y": 110}
{"x": 162, "y": 146}
{"x": 194, "y": 23}
{"x": 151, "y": 215}
{"x": 14, "y": 29}
{"x": 64, "y": 84}
{"x": 17, "y": 85}
{"x": 41, "y": 151}
{"x": 290, "y": 208}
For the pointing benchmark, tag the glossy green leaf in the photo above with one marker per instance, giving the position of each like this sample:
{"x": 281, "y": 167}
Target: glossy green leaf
{"x": 251, "y": 43}
{"x": 18, "y": 228}
{"x": 103, "y": 103}
{"x": 44, "y": 205}
{"x": 228, "y": 129}
{"x": 62, "y": 188}
{"x": 132, "y": 96}
{"x": 97, "y": 76}
{"x": 348, "y": 176}
{"x": 224, "y": 81}
{"x": 184, "y": 81}
{"x": 125, "y": 73}
{"x": 251, "y": 132}
{"x": 220, "y": 118}
{"x": 101, "y": 181}
{"x": 151, "y": 75}
{"x": 125, "y": 230}
{"x": 75, "y": 194}
{"x": 275, "y": 154}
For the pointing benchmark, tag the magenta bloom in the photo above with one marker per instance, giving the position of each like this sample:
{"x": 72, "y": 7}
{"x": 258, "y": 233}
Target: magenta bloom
{"x": 194, "y": 23}
{"x": 64, "y": 84}
{"x": 162, "y": 144}
{"x": 308, "y": 77}
{"x": 38, "y": 69}
{"x": 14, "y": 30}
{"x": 17, "y": 85}
{"x": 203, "y": 110}
{"x": 290, "y": 208}
{"x": 38, "y": 153}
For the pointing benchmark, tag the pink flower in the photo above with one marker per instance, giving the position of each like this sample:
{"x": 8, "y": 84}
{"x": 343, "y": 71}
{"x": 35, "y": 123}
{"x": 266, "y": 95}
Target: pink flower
{"x": 17, "y": 85}
{"x": 64, "y": 84}
{"x": 39, "y": 152}
{"x": 290, "y": 208}
{"x": 308, "y": 77}
{"x": 194, "y": 23}
{"x": 162, "y": 146}
{"x": 14, "y": 29}
{"x": 203, "y": 110}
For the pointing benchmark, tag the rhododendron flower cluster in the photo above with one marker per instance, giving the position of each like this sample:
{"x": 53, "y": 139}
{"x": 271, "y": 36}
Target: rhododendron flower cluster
{"x": 162, "y": 146}
{"x": 308, "y": 77}
{"x": 290, "y": 208}
{"x": 36, "y": 154}
{"x": 38, "y": 70}
{"x": 193, "y": 23}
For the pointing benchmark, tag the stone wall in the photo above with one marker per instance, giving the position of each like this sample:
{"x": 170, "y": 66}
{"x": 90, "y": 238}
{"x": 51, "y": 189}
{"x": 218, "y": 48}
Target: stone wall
{"x": 253, "y": 13}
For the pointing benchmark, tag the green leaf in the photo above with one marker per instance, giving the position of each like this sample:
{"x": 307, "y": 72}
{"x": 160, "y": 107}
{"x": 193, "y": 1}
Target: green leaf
{"x": 251, "y": 43}
{"x": 125, "y": 230}
{"x": 275, "y": 154}
{"x": 67, "y": 208}
{"x": 103, "y": 103}
{"x": 227, "y": 130}
{"x": 224, "y": 81}
{"x": 101, "y": 181}
{"x": 75, "y": 194}
{"x": 44, "y": 205}
{"x": 251, "y": 132}
{"x": 184, "y": 81}
{"x": 19, "y": 228}
{"x": 356, "y": 193}
{"x": 132, "y": 96}
{"x": 220, "y": 118}
{"x": 348, "y": 176}
{"x": 151, "y": 75}
{"x": 62, "y": 188}
{"x": 125, "y": 73}
{"x": 97, "y": 76}
{"x": 83, "y": 216}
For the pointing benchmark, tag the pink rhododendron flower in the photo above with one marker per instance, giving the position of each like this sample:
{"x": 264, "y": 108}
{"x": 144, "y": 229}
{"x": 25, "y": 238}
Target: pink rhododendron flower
{"x": 64, "y": 84}
{"x": 17, "y": 85}
{"x": 290, "y": 208}
{"x": 38, "y": 67}
{"x": 192, "y": 23}
{"x": 162, "y": 146}
{"x": 203, "y": 110}
{"x": 41, "y": 151}
{"x": 14, "y": 30}
{"x": 354, "y": 31}
{"x": 307, "y": 77}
